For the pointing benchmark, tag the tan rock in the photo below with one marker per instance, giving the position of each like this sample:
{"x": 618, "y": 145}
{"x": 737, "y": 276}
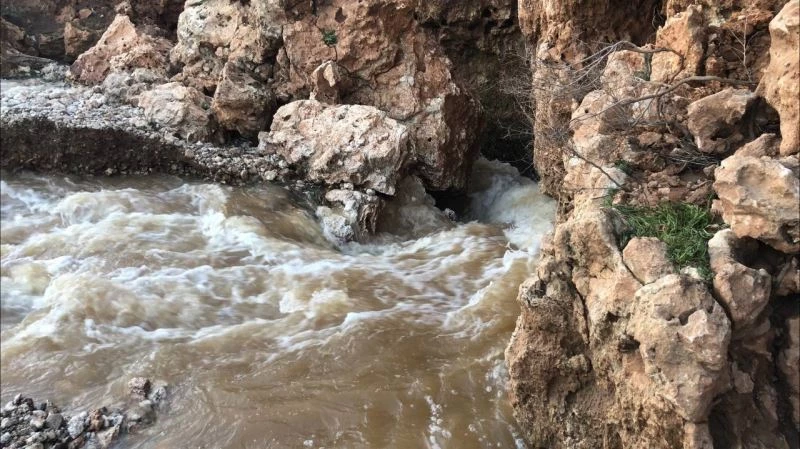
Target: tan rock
{"x": 77, "y": 40}
{"x": 122, "y": 47}
{"x": 647, "y": 259}
{"x": 683, "y": 335}
{"x": 789, "y": 365}
{"x": 743, "y": 291}
{"x": 241, "y": 102}
{"x": 337, "y": 144}
{"x": 326, "y": 83}
{"x": 715, "y": 120}
{"x": 780, "y": 84}
{"x": 764, "y": 145}
{"x": 685, "y": 33}
{"x": 184, "y": 109}
{"x": 760, "y": 198}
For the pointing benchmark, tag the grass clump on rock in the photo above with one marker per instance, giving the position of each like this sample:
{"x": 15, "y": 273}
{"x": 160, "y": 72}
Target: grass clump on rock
{"x": 685, "y": 228}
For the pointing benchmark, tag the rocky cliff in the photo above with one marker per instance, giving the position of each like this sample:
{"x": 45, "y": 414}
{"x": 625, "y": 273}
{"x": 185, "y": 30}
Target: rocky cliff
{"x": 623, "y": 340}
{"x": 664, "y": 312}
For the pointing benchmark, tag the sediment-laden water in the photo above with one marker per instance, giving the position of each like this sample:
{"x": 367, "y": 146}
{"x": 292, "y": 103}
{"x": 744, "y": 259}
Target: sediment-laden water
{"x": 269, "y": 336}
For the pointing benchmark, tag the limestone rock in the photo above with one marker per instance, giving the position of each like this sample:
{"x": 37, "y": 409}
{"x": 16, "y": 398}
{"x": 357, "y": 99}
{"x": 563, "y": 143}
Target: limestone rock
{"x": 349, "y": 215}
{"x": 241, "y": 102}
{"x": 684, "y": 33}
{"x": 326, "y": 83}
{"x": 715, "y": 120}
{"x": 780, "y": 84}
{"x": 407, "y": 75}
{"x": 336, "y": 144}
{"x": 743, "y": 291}
{"x": 182, "y": 108}
{"x": 760, "y": 198}
{"x": 122, "y": 47}
{"x": 764, "y": 145}
{"x": 212, "y": 33}
{"x": 683, "y": 335}
{"x": 647, "y": 259}
{"x": 125, "y": 87}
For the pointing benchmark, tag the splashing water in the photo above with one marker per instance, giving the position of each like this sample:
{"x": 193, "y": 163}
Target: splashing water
{"x": 268, "y": 334}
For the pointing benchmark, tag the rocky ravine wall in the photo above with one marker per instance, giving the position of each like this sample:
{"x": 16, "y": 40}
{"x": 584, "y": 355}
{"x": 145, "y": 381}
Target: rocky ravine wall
{"x": 615, "y": 348}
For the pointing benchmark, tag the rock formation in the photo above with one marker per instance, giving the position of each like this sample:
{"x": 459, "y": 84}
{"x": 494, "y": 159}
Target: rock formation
{"x": 616, "y": 346}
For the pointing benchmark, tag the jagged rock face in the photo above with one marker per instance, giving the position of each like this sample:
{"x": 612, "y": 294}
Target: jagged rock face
{"x": 63, "y": 29}
{"x": 176, "y": 106}
{"x": 121, "y": 48}
{"x": 760, "y": 198}
{"x": 396, "y": 66}
{"x": 780, "y": 84}
{"x": 353, "y": 144}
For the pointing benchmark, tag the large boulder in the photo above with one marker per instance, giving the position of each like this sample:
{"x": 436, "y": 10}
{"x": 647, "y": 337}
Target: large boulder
{"x": 353, "y": 144}
{"x": 780, "y": 84}
{"x": 121, "y": 48}
{"x": 241, "y": 102}
{"x": 715, "y": 120}
{"x": 760, "y": 198}
{"x": 175, "y": 106}
{"x": 396, "y": 66}
{"x": 685, "y": 33}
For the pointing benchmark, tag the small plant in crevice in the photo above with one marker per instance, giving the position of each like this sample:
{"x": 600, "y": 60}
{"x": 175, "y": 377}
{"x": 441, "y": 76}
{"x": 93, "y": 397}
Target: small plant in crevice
{"x": 623, "y": 166}
{"x": 329, "y": 38}
{"x": 685, "y": 229}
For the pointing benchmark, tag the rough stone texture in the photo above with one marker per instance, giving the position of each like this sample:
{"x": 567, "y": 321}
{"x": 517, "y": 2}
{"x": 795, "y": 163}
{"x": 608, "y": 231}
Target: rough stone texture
{"x": 743, "y": 291}
{"x": 685, "y": 33}
{"x": 780, "y": 84}
{"x": 764, "y": 145}
{"x": 715, "y": 120}
{"x": 326, "y": 83}
{"x": 400, "y": 69}
{"x": 789, "y": 365}
{"x": 683, "y": 335}
{"x": 241, "y": 102}
{"x": 122, "y": 47}
{"x": 15, "y": 52}
{"x": 760, "y": 198}
{"x": 647, "y": 259}
{"x": 63, "y": 29}
{"x": 76, "y": 126}
{"x": 335, "y": 144}
{"x": 176, "y": 106}
{"x": 349, "y": 214}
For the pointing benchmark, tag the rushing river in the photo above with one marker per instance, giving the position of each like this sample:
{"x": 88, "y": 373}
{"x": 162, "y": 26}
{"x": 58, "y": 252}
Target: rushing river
{"x": 268, "y": 335}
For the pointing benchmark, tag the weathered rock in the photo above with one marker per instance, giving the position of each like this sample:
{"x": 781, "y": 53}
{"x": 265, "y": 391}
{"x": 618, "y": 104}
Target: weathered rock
{"x": 139, "y": 388}
{"x": 335, "y": 144}
{"x": 327, "y": 81}
{"x": 179, "y": 107}
{"x": 647, "y": 259}
{"x": 715, "y": 120}
{"x": 126, "y": 86}
{"x": 789, "y": 365}
{"x": 349, "y": 215}
{"x": 760, "y": 198}
{"x": 683, "y": 335}
{"x": 743, "y": 291}
{"x": 15, "y": 52}
{"x": 764, "y": 145}
{"x": 213, "y": 33}
{"x": 241, "y": 102}
{"x": 780, "y": 84}
{"x": 122, "y": 47}
{"x": 685, "y": 33}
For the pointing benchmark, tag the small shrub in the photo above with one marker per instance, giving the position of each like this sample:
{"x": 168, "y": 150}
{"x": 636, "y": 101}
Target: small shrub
{"x": 329, "y": 37}
{"x": 685, "y": 228}
{"x": 623, "y": 166}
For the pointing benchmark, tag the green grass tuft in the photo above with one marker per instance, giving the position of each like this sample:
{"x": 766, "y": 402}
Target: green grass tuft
{"x": 685, "y": 228}
{"x": 329, "y": 37}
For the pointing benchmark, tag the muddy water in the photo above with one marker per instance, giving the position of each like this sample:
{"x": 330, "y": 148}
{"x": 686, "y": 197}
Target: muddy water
{"x": 269, "y": 336}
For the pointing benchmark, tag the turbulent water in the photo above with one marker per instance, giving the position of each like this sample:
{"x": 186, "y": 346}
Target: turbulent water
{"x": 269, "y": 335}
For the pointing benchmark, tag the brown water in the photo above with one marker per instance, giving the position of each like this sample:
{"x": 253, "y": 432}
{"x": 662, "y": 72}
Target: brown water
{"x": 269, "y": 336}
